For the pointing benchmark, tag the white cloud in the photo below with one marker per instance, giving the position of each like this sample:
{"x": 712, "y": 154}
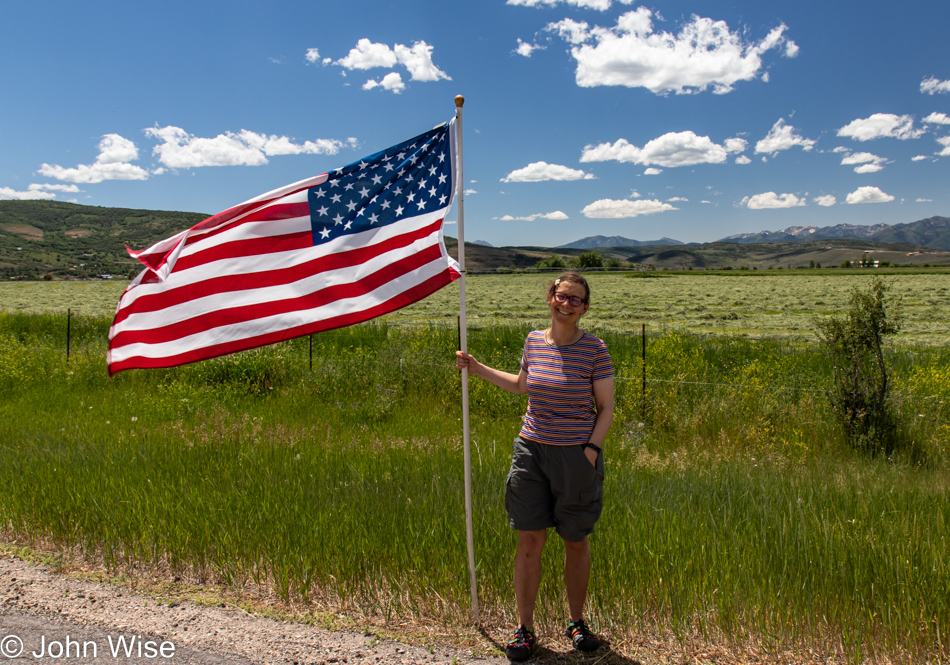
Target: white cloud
{"x": 938, "y": 119}
{"x": 705, "y": 53}
{"x": 743, "y": 159}
{"x": 313, "y": 55}
{"x": 677, "y": 199}
{"x": 556, "y": 215}
{"x": 932, "y": 85}
{"x": 771, "y": 200}
{"x": 180, "y": 150}
{"x": 417, "y": 60}
{"x": 782, "y": 137}
{"x": 601, "y": 5}
{"x": 573, "y": 32}
{"x": 945, "y": 142}
{"x": 112, "y": 164}
{"x": 919, "y": 158}
{"x": 114, "y": 149}
{"x": 825, "y": 201}
{"x": 881, "y": 125}
{"x": 541, "y": 171}
{"x": 69, "y": 189}
{"x": 869, "y": 163}
{"x": 614, "y": 209}
{"x": 367, "y": 55}
{"x": 469, "y": 192}
{"x": 924, "y": 201}
{"x": 392, "y": 82}
{"x": 868, "y": 195}
{"x": 735, "y": 145}
{"x": 653, "y": 171}
{"x": 861, "y": 158}
{"x": 670, "y": 150}
{"x": 526, "y": 49}
{"x": 10, "y": 194}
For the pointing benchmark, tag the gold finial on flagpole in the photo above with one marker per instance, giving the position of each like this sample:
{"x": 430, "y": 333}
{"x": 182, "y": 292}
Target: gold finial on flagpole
{"x": 459, "y": 100}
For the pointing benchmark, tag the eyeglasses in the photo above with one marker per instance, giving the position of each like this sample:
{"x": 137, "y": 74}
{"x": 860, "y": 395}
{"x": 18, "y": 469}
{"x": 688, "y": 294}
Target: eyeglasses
{"x": 574, "y": 300}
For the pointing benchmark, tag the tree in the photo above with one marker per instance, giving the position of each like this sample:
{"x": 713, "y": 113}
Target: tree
{"x": 855, "y": 345}
{"x": 590, "y": 260}
{"x": 553, "y": 261}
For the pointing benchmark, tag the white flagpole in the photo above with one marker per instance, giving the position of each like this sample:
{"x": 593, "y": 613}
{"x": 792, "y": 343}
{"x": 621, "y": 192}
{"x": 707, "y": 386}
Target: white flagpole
{"x": 463, "y": 343}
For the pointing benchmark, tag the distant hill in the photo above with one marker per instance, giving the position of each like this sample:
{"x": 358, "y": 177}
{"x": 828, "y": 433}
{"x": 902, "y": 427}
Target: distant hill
{"x": 67, "y": 239}
{"x": 594, "y": 242}
{"x": 933, "y": 232}
{"x": 483, "y": 243}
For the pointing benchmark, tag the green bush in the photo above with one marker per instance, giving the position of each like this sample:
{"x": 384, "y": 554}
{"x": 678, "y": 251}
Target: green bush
{"x": 855, "y": 345}
{"x": 553, "y": 261}
{"x": 590, "y": 260}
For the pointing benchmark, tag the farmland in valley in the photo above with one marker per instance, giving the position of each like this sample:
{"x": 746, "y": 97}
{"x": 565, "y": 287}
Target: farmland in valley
{"x": 767, "y": 304}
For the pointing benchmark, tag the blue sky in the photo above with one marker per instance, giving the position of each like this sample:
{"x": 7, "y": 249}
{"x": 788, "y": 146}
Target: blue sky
{"x": 689, "y": 120}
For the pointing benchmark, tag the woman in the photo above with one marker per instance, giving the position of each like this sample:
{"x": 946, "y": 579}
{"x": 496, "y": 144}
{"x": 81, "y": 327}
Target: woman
{"x": 556, "y": 476}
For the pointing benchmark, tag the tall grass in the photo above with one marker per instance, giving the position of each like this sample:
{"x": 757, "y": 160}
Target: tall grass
{"x": 733, "y": 507}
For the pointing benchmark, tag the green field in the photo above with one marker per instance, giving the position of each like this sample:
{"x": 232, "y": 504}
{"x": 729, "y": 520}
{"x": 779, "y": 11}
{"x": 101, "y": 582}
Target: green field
{"x": 735, "y": 512}
{"x": 755, "y": 305}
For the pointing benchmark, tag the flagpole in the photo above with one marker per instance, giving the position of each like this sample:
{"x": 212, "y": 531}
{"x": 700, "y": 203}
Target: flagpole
{"x": 463, "y": 344}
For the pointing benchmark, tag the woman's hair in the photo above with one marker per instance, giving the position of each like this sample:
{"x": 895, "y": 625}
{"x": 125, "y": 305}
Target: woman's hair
{"x": 572, "y": 277}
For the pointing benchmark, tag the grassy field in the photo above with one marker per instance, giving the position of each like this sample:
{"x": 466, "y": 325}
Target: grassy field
{"x": 752, "y": 304}
{"x": 734, "y": 513}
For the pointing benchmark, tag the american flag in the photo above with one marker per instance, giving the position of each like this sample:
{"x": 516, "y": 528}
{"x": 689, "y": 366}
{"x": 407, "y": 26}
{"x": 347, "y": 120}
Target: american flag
{"x": 326, "y": 252}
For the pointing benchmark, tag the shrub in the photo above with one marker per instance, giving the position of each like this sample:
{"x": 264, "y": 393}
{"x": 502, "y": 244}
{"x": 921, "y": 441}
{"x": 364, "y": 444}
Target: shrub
{"x": 855, "y": 345}
{"x": 590, "y": 260}
{"x": 553, "y": 261}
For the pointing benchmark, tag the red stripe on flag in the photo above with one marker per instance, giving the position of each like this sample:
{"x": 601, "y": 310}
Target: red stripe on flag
{"x": 418, "y": 292}
{"x": 248, "y": 247}
{"x": 227, "y": 283}
{"x": 255, "y": 211}
{"x": 269, "y": 214}
{"x": 220, "y": 318}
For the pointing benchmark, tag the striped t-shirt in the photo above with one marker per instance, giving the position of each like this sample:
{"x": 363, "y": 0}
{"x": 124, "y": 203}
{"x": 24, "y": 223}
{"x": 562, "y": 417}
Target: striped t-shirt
{"x": 560, "y": 388}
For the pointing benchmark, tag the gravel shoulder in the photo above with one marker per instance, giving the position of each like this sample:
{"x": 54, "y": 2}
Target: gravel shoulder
{"x": 38, "y": 603}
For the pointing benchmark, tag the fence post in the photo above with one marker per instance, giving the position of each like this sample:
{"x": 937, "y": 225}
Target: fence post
{"x": 69, "y": 314}
{"x": 643, "y": 380}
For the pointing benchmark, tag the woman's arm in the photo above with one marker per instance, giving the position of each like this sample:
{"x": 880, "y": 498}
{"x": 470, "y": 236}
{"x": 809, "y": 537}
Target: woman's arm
{"x": 513, "y": 383}
{"x": 604, "y": 400}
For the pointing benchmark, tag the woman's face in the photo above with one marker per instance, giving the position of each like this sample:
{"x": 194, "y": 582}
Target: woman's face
{"x": 565, "y": 312}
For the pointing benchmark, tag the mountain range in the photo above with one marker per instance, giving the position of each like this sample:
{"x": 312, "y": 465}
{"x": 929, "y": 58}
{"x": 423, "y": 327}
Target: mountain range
{"x": 594, "y": 242}
{"x": 933, "y": 232}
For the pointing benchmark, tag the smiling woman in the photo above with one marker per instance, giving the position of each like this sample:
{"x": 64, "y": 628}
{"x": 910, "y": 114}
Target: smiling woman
{"x": 557, "y": 472}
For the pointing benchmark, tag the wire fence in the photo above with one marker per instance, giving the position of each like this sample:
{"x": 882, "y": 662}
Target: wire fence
{"x": 644, "y": 378}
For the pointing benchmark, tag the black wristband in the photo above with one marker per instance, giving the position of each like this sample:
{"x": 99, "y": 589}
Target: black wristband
{"x": 597, "y": 449}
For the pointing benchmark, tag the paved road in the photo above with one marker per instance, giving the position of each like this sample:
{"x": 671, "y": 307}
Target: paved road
{"x": 30, "y": 639}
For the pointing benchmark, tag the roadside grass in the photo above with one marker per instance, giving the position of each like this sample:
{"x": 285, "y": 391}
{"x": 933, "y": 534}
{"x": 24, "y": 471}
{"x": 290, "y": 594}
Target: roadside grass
{"x": 734, "y": 509}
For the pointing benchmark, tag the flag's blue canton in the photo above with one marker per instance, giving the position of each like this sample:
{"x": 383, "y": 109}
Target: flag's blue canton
{"x": 409, "y": 179}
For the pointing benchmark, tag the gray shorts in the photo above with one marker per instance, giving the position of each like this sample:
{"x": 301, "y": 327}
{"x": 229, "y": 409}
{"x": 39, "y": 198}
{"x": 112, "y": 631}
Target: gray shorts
{"x": 554, "y": 486}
